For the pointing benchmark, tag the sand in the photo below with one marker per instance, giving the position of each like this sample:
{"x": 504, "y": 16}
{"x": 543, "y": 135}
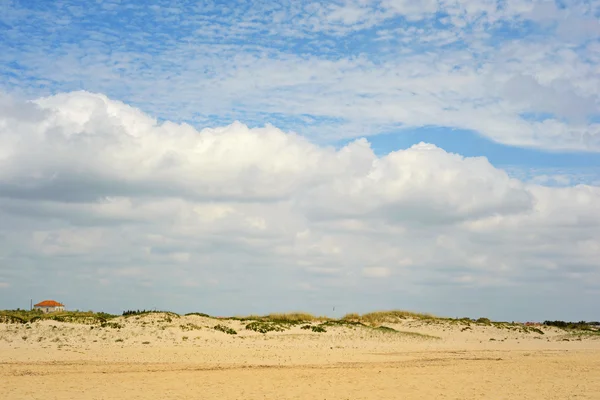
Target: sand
{"x": 151, "y": 357}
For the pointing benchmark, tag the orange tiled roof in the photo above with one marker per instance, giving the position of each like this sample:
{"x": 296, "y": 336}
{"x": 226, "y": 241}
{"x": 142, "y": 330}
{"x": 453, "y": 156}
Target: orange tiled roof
{"x": 49, "y": 303}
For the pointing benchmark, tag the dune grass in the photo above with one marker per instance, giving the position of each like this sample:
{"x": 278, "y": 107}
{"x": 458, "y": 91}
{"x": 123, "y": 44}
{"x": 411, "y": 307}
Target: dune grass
{"x": 293, "y": 318}
{"x": 81, "y": 317}
{"x": 392, "y": 316}
{"x": 278, "y": 322}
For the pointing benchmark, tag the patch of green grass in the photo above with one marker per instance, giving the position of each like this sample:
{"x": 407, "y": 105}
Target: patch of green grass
{"x": 585, "y": 333}
{"x": 198, "y": 314}
{"x": 225, "y": 329}
{"x": 289, "y": 319}
{"x": 343, "y": 322}
{"x": 264, "y": 327}
{"x": 379, "y": 317}
{"x": 130, "y": 313}
{"x": 28, "y": 316}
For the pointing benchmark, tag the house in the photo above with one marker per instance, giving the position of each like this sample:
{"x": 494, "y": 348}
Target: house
{"x": 48, "y": 306}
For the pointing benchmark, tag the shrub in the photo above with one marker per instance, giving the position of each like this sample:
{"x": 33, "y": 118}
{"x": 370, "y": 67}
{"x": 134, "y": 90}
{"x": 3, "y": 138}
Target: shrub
{"x": 581, "y": 325}
{"x": 225, "y": 329}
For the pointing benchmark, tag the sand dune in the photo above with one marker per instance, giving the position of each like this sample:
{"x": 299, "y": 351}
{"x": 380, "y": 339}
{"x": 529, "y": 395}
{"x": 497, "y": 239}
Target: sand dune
{"x": 167, "y": 357}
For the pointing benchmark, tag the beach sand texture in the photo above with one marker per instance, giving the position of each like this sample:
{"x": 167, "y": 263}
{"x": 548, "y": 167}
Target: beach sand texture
{"x": 157, "y": 356}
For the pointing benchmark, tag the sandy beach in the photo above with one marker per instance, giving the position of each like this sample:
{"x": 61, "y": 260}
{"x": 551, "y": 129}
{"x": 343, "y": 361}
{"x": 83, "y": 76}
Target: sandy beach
{"x": 164, "y": 357}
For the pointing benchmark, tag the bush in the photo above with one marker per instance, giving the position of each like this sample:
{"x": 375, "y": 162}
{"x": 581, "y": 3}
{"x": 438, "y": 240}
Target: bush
{"x": 581, "y": 325}
{"x": 225, "y": 329}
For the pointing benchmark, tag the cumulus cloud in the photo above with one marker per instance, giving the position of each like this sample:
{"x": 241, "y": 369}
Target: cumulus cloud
{"x": 94, "y": 192}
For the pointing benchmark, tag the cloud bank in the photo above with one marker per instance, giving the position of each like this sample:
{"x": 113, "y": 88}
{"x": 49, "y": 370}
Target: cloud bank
{"x": 106, "y": 207}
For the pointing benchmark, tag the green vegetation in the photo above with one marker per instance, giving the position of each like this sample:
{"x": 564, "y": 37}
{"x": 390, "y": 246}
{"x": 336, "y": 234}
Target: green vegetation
{"x": 386, "y": 329}
{"x": 291, "y": 318}
{"x": 130, "y": 313}
{"x": 314, "y": 328}
{"x": 225, "y": 329}
{"x": 80, "y": 317}
{"x": 379, "y": 321}
{"x": 198, "y": 314}
{"x": 296, "y": 318}
{"x": 343, "y": 322}
{"x": 282, "y": 322}
{"x": 379, "y": 317}
{"x": 581, "y": 325}
{"x": 534, "y": 330}
{"x": 266, "y": 326}
{"x": 112, "y": 325}
{"x": 190, "y": 327}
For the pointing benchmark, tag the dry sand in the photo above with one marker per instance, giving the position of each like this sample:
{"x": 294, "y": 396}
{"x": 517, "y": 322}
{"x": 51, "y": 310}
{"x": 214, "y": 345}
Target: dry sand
{"x": 152, "y": 358}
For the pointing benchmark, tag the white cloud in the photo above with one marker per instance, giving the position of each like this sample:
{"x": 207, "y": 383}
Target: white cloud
{"x": 96, "y": 191}
{"x": 4, "y": 285}
{"x": 464, "y": 71}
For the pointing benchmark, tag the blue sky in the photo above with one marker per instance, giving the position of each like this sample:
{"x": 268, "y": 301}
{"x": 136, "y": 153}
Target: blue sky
{"x": 515, "y": 82}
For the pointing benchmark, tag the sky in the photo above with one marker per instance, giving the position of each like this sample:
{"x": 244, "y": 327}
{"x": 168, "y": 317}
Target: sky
{"x": 236, "y": 157}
